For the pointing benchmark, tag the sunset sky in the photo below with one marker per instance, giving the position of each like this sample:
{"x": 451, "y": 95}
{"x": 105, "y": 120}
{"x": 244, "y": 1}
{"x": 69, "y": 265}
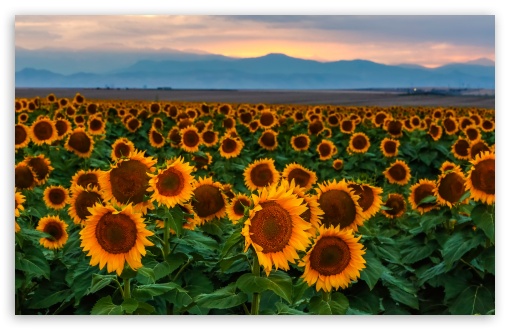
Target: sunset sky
{"x": 426, "y": 40}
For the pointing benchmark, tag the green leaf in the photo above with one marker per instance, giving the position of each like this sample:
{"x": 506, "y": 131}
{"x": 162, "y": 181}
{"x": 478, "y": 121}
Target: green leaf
{"x": 153, "y": 290}
{"x": 33, "y": 262}
{"x": 427, "y": 156}
{"x": 417, "y": 251}
{"x": 105, "y": 306}
{"x": 483, "y": 216}
{"x": 232, "y": 241}
{"x": 458, "y": 244}
{"x": 226, "y": 263}
{"x": 488, "y": 260}
{"x": 373, "y": 270}
{"x": 473, "y": 300}
{"x": 278, "y": 282}
{"x": 428, "y": 199}
{"x": 404, "y": 297}
{"x": 282, "y": 309}
{"x": 165, "y": 268}
{"x": 144, "y": 308}
{"x": 223, "y": 298}
{"x": 431, "y": 273}
{"x": 100, "y": 281}
{"x": 337, "y": 305}
{"x": 48, "y": 301}
{"x": 147, "y": 274}
{"x": 175, "y": 219}
{"x": 129, "y": 305}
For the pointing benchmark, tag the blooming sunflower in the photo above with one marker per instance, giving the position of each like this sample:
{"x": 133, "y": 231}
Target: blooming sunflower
{"x": 389, "y": 147}
{"x": 359, "y": 143}
{"x": 423, "y": 188}
{"x": 96, "y": 125}
{"x": 209, "y": 202}
{"x": 369, "y": 198}
{"x": 300, "y": 142}
{"x": 326, "y": 149}
{"x": 122, "y": 147}
{"x": 63, "y": 127}
{"x": 56, "y": 230}
{"x": 481, "y": 180}
{"x": 81, "y": 200}
{"x": 230, "y": 147}
{"x": 268, "y": 118}
{"x": 86, "y": 178}
{"x": 435, "y": 131}
{"x": 450, "y": 187}
{"x": 133, "y": 124}
{"x": 114, "y": 237}
{"x": 275, "y": 228}
{"x": 190, "y": 138}
{"x": 19, "y": 199}
{"x": 398, "y": 173}
{"x": 487, "y": 125}
{"x": 340, "y": 205}
{"x": 347, "y": 126}
{"x": 379, "y": 118}
{"x": 268, "y": 140}
{"x": 80, "y": 142}
{"x": 302, "y": 176}
{"x": 477, "y": 147}
{"x": 396, "y": 205}
{"x": 24, "y": 176}
{"x": 472, "y": 133}
{"x": 235, "y": 210}
{"x": 260, "y": 173}
{"x": 41, "y": 167}
{"x": 172, "y": 185}
{"x": 338, "y": 164}
{"x": 56, "y": 197}
{"x": 460, "y": 148}
{"x": 394, "y": 127}
{"x": 22, "y": 117}
{"x": 209, "y": 137}
{"x": 127, "y": 181}
{"x": 21, "y": 136}
{"x": 43, "y": 130}
{"x": 450, "y": 125}
{"x": 156, "y": 139}
{"x": 254, "y": 126}
{"x": 334, "y": 260}
{"x": 447, "y": 166}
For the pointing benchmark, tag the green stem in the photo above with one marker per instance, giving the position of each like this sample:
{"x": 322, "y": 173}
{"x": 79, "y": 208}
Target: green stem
{"x": 326, "y": 296}
{"x": 182, "y": 269}
{"x": 127, "y": 289}
{"x": 120, "y": 287}
{"x": 256, "y": 296}
{"x": 166, "y": 236}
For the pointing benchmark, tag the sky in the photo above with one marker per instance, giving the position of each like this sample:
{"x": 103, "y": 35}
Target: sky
{"x": 428, "y": 40}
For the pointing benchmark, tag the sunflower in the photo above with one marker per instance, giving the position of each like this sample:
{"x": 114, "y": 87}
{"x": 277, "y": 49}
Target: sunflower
{"x": 334, "y": 260}
{"x": 96, "y": 126}
{"x": 394, "y": 127}
{"x": 396, "y": 205}
{"x": 332, "y": 120}
{"x": 254, "y": 126}
{"x": 268, "y": 140}
{"x": 435, "y": 131}
{"x": 447, "y": 166}
{"x": 340, "y": 205}
{"x": 300, "y": 142}
{"x": 41, "y": 167}
{"x": 230, "y": 147}
{"x": 472, "y": 133}
{"x": 122, "y": 147}
{"x": 209, "y": 137}
{"x": 79, "y": 120}
{"x": 22, "y": 117}
{"x": 114, "y": 237}
{"x": 80, "y": 142}
{"x": 235, "y": 210}
{"x": 245, "y": 118}
{"x": 460, "y": 149}
{"x": 487, "y": 125}
{"x": 481, "y": 180}
{"x": 133, "y": 124}
{"x": 338, "y": 164}
{"x": 63, "y": 127}
{"x": 379, "y": 118}
{"x": 450, "y": 187}
{"x": 78, "y": 99}
{"x": 19, "y": 199}
{"x": 450, "y": 125}
{"x": 172, "y": 185}
{"x": 302, "y": 176}
{"x": 369, "y": 198}
{"x": 326, "y": 149}
{"x": 56, "y": 230}
{"x": 209, "y": 202}
{"x": 156, "y": 139}
{"x": 43, "y": 130}
{"x": 423, "y": 188}
{"x": 128, "y": 180}
{"x": 56, "y": 197}
{"x": 275, "y": 228}
{"x": 313, "y": 213}
{"x": 359, "y": 143}
{"x": 86, "y": 178}
{"x": 476, "y": 148}
{"x": 24, "y": 176}
{"x": 389, "y": 147}
{"x": 315, "y": 127}
{"x": 157, "y": 123}
{"x": 191, "y": 139}
{"x": 21, "y": 136}
{"x": 398, "y": 173}
{"x": 261, "y": 173}
{"x": 268, "y": 119}
{"x": 81, "y": 200}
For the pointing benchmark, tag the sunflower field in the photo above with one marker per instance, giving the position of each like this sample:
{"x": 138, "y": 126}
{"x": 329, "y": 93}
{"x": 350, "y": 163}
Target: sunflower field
{"x": 155, "y": 207}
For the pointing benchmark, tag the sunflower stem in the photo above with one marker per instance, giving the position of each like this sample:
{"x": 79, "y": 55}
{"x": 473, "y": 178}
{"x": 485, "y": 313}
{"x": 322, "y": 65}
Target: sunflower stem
{"x": 127, "y": 289}
{"x": 256, "y": 295}
{"x": 326, "y": 296}
{"x": 166, "y": 237}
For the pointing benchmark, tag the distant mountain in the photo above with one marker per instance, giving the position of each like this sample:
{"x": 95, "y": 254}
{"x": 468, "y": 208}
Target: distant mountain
{"x": 482, "y": 61}
{"x": 272, "y": 71}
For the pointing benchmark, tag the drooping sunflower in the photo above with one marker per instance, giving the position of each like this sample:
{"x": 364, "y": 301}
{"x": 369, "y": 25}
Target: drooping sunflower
{"x": 268, "y": 140}
{"x": 396, "y": 204}
{"x": 56, "y": 229}
{"x": 476, "y": 148}
{"x": 43, "y": 130}
{"x": 261, "y": 173}
{"x": 80, "y": 142}
{"x": 24, "y": 176}
{"x": 435, "y": 131}
{"x": 114, "y": 237}
{"x": 208, "y": 201}
{"x": 340, "y": 205}
{"x": 173, "y": 184}
{"x": 481, "y": 179}
{"x": 19, "y": 199}
{"x": 359, "y": 143}
{"x": 338, "y": 164}
{"x": 190, "y": 138}
{"x": 230, "y": 147}
{"x": 423, "y": 188}
{"x": 326, "y": 149}
{"x": 450, "y": 187}
{"x": 96, "y": 125}
{"x": 398, "y": 173}
{"x": 41, "y": 167}
{"x": 86, "y": 178}
{"x": 236, "y": 207}
{"x": 56, "y": 197}
{"x": 370, "y": 199}
{"x": 389, "y": 147}
{"x": 122, "y": 147}
{"x": 21, "y": 136}
{"x": 460, "y": 148}
{"x": 81, "y": 200}
{"x": 127, "y": 181}
{"x": 156, "y": 139}
{"x": 302, "y": 176}
{"x": 300, "y": 142}
{"x": 334, "y": 260}
{"x": 275, "y": 228}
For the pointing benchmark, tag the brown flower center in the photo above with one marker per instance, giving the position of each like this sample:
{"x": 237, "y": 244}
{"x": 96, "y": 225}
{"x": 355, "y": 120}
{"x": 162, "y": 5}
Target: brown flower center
{"x": 359, "y": 142}
{"x": 266, "y": 119}
{"x": 268, "y": 139}
{"x": 122, "y": 150}
{"x": 396, "y": 204}
{"x": 129, "y": 181}
{"x": 96, "y": 124}
{"x": 301, "y": 142}
{"x": 390, "y": 147}
{"x": 157, "y": 138}
{"x": 43, "y": 130}
{"x": 23, "y": 177}
{"x": 478, "y": 148}
{"x": 80, "y": 142}
{"x": 133, "y": 124}
{"x": 300, "y": 177}
{"x": 116, "y": 233}
{"x": 451, "y": 187}
{"x": 397, "y": 172}
{"x": 271, "y": 227}
{"x": 315, "y": 127}
{"x": 330, "y": 256}
{"x": 40, "y": 168}
{"x": 190, "y": 138}
{"x": 261, "y": 175}
{"x": 208, "y": 200}
{"x": 240, "y": 204}
{"x": 366, "y": 195}
{"x": 57, "y": 196}
{"x": 228, "y": 145}
{"x": 338, "y": 207}
{"x": 62, "y": 127}
{"x": 449, "y": 125}
{"x": 483, "y": 177}
{"x": 324, "y": 149}
{"x": 54, "y": 229}
{"x": 422, "y": 191}
{"x": 461, "y": 147}
{"x": 170, "y": 182}
{"x": 85, "y": 200}
{"x": 395, "y": 127}
{"x": 20, "y": 134}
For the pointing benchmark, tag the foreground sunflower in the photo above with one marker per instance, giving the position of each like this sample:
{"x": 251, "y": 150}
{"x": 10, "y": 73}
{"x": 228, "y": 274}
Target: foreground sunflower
{"x": 275, "y": 228}
{"x": 450, "y": 187}
{"x": 369, "y": 198}
{"x": 81, "y": 200}
{"x": 173, "y": 184}
{"x": 235, "y": 210}
{"x": 114, "y": 237}
{"x": 423, "y": 188}
{"x": 56, "y": 197}
{"x": 56, "y": 230}
{"x": 334, "y": 260}
{"x": 261, "y": 173}
{"x": 302, "y": 176}
{"x": 481, "y": 180}
{"x": 122, "y": 147}
{"x": 209, "y": 201}
{"x": 398, "y": 173}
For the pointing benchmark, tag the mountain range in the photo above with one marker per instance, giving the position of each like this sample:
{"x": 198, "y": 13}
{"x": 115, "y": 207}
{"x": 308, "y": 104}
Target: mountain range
{"x": 182, "y": 70}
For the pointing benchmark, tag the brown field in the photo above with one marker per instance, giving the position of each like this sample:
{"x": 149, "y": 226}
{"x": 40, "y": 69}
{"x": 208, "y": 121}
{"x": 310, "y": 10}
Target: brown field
{"x": 335, "y": 97}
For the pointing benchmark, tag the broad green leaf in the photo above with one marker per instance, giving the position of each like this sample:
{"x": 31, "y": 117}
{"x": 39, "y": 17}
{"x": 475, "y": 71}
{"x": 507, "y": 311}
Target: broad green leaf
{"x": 175, "y": 218}
{"x": 427, "y": 200}
{"x": 129, "y": 305}
{"x": 105, "y": 306}
{"x": 223, "y": 298}
{"x": 100, "y": 281}
{"x": 431, "y": 272}
{"x": 458, "y": 244}
{"x": 232, "y": 241}
{"x": 52, "y": 299}
{"x": 483, "y": 216}
{"x": 144, "y": 308}
{"x": 165, "y": 268}
{"x": 418, "y": 251}
{"x": 473, "y": 300}
{"x": 226, "y": 263}
{"x": 278, "y": 282}
{"x": 153, "y": 290}
{"x": 282, "y": 309}
{"x": 146, "y": 275}
{"x": 373, "y": 270}
{"x": 404, "y": 297}
{"x": 337, "y": 305}
{"x": 33, "y": 262}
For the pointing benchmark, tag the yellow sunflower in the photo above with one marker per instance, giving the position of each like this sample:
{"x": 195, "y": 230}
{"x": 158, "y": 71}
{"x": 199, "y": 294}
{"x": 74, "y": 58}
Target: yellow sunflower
{"x": 114, "y": 237}
{"x": 230, "y": 147}
{"x": 81, "y": 200}
{"x": 96, "y": 125}
{"x": 172, "y": 185}
{"x": 398, "y": 173}
{"x": 334, "y": 260}
{"x": 300, "y": 142}
{"x": 315, "y": 127}
{"x": 487, "y": 125}
{"x": 43, "y": 130}
{"x": 190, "y": 138}
{"x": 396, "y": 205}
{"x": 423, "y": 188}
{"x": 208, "y": 202}
{"x": 481, "y": 180}
{"x": 477, "y": 147}
{"x": 370, "y": 199}
{"x": 235, "y": 210}
{"x": 268, "y": 119}
{"x": 389, "y": 147}
{"x": 472, "y": 133}
{"x": 359, "y": 143}
{"x": 156, "y": 139}
{"x": 450, "y": 187}
{"x": 19, "y": 199}
{"x": 460, "y": 149}
{"x": 86, "y": 178}
{"x": 394, "y": 127}
{"x": 122, "y": 147}
{"x": 24, "y": 176}
{"x": 41, "y": 167}
{"x": 80, "y": 142}
{"x": 63, "y": 127}
{"x": 202, "y": 162}
{"x": 447, "y": 166}
{"x": 326, "y": 149}
{"x": 338, "y": 164}
{"x": 21, "y": 136}
{"x": 209, "y": 137}
{"x": 435, "y": 131}
{"x": 340, "y": 205}
{"x": 302, "y": 176}
{"x": 268, "y": 140}
{"x": 275, "y": 228}
{"x": 133, "y": 124}
{"x": 450, "y": 125}
{"x": 56, "y": 197}
{"x": 56, "y": 229}
{"x": 261, "y": 173}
